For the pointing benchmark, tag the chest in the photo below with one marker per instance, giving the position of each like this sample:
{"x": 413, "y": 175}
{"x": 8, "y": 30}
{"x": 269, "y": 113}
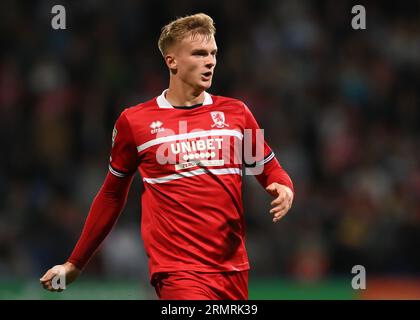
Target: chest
{"x": 209, "y": 135}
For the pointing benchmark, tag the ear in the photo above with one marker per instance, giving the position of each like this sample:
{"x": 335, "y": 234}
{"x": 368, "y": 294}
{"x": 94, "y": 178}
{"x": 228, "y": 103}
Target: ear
{"x": 171, "y": 61}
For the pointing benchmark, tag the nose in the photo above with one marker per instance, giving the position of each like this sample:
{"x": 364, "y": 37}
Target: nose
{"x": 211, "y": 61}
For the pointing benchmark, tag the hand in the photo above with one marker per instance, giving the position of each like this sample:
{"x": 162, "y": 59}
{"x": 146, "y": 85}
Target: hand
{"x": 68, "y": 269}
{"x": 283, "y": 202}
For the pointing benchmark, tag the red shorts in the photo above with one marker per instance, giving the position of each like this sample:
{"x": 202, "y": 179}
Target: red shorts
{"x": 192, "y": 285}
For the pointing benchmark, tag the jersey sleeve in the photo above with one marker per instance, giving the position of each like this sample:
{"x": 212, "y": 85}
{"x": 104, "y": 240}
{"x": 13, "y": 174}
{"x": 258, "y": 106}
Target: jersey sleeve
{"x": 103, "y": 214}
{"x": 123, "y": 160}
{"x": 262, "y": 163}
{"x": 256, "y": 151}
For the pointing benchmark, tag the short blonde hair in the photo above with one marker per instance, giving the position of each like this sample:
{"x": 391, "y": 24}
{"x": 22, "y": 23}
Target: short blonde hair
{"x": 176, "y": 30}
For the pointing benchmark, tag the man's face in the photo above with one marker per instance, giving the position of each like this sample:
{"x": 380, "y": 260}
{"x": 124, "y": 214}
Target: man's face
{"x": 194, "y": 60}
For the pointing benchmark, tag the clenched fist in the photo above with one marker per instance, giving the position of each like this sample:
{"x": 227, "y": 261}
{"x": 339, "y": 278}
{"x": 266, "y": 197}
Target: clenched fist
{"x": 67, "y": 272}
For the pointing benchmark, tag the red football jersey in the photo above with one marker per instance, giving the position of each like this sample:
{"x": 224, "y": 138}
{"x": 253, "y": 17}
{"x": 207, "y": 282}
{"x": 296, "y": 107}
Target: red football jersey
{"x": 191, "y": 162}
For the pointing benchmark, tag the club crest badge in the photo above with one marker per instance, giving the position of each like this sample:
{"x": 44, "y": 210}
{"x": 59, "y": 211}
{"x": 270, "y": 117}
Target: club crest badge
{"x": 218, "y": 118}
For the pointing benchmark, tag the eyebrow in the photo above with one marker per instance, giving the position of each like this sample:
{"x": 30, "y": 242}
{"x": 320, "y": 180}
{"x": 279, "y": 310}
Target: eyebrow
{"x": 203, "y": 51}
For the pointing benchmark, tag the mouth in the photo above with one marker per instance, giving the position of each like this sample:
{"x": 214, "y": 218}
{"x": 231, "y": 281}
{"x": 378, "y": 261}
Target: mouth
{"x": 207, "y": 75}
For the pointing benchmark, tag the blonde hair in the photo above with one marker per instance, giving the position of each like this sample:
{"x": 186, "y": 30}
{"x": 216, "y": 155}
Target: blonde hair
{"x": 193, "y": 25}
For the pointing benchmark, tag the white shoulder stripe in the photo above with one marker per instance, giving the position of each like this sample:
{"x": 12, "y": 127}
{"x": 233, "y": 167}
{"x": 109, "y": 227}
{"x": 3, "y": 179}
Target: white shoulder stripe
{"x": 193, "y": 173}
{"x": 191, "y": 135}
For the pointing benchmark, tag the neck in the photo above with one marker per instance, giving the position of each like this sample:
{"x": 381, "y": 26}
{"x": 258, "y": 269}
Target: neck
{"x": 180, "y": 94}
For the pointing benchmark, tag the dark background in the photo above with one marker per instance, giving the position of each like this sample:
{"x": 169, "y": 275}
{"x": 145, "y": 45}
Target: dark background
{"x": 340, "y": 108}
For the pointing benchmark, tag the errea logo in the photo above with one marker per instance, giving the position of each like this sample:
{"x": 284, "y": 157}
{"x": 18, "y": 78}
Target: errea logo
{"x": 156, "y": 127}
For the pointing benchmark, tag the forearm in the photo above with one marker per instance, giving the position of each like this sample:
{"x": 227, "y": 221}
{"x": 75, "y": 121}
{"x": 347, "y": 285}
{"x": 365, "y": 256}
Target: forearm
{"x": 103, "y": 214}
{"x": 273, "y": 172}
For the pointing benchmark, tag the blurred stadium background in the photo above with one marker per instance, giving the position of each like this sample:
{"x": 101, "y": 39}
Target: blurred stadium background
{"x": 340, "y": 107}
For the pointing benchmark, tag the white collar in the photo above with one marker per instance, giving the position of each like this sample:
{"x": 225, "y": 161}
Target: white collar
{"x": 163, "y": 103}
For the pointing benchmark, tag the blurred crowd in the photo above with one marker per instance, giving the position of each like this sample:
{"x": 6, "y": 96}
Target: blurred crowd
{"x": 340, "y": 108}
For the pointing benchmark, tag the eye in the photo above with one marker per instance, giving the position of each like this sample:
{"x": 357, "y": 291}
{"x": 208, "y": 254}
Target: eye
{"x": 200, "y": 53}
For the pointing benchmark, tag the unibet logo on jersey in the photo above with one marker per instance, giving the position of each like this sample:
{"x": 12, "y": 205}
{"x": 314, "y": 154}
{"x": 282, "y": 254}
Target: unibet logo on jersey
{"x": 201, "y": 150}
{"x": 197, "y": 145}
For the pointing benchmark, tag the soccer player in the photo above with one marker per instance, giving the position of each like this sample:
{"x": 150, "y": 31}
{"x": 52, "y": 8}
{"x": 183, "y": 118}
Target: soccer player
{"x": 187, "y": 145}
